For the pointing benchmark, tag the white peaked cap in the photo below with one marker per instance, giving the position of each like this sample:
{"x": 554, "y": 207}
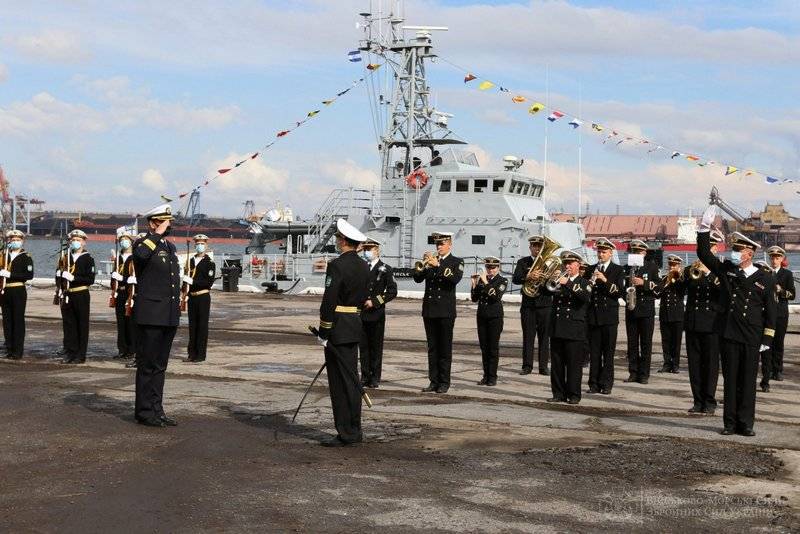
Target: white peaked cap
{"x": 349, "y": 231}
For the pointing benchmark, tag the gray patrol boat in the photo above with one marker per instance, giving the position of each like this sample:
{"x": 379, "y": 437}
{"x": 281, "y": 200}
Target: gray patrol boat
{"x": 428, "y": 183}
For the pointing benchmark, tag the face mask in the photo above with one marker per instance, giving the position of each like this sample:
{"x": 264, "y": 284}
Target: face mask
{"x": 15, "y": 245}
{"x": 736, "y": 256}
{"x": 125, "y": 243}
{"x": 200, "y": 248}
{"x": 75, "y": 245}
{"x": 369, "y": 255}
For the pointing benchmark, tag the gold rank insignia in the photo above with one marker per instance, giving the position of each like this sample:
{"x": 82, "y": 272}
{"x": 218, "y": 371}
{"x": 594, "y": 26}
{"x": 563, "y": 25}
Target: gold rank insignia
{"x": 448, "y": 271}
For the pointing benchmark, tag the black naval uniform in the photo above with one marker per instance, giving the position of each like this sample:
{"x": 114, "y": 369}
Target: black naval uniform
{"x": 157, "y": 314}
{"x": 567, "y": 338}
{"x": 490, "y": 323}
{"x": 75, "y": 308}
{"x": 535, "y": 313}
{"x": 784, "y": 279}
{"x": 701, "y": 322}
{"x": 670, "y": 321}
{"x": 202, "y": 273}
{"x": 640, "y": 322}
{"x": 14, "y": 301}
{"x": 603, "y": 324}
{"x": 748, "y": 322}
{"x": 126, "y": 328}
{"x": 439, "y": 316}
{"x": 381, "y": 288}
{"x": 340, "y": 323}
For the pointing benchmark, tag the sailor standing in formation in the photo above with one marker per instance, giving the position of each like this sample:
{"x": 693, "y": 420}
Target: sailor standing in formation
{"x": 340, "y": 331}
{"x": 79, "y": 276}
{"x": 382, "y": 288}
{"x": 748, "y": 323}
{"x": 202, "y": 272}
{"x": 534, "y": 312}
{"x": 441, "y": 274}
{"x": 157, "y": 314}
{"x": 17, "y": 268}
{"x": 487, "y": 290}
{"x": 126, "y": 329}
{"x": 671, "y": 289}
{"x": 640, "y": 321}
{"x": 569, "y": 331}
{"x": 607, "y": 280}
{"x": 784, "y": 288}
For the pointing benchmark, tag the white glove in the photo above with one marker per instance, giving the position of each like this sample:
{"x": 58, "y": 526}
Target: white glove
{"x": 116, "y": 276}
{"x": 187, "y": 279}
{"x": 708, "y": 218}
{"x": 69, "y": 277}
{"x": 4, "y": 273}
{"x": 58, "y": 274}
{"x": 131, "y": 279}
{"x": 322, "y": 342}
{"x": 762, "y": 348}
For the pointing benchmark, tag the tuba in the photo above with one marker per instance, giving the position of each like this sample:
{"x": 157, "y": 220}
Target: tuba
{"x": 547, "y": 262}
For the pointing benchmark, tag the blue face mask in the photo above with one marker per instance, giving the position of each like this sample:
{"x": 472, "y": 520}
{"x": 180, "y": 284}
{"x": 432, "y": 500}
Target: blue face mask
{"x": 75, "y": 245}
{"x": 125, "y": 243}
{"x": 200, "y": 248}
{"x": 369, "y": 255}
{"x": 736, "y": 256}
{"x": 15, "y": 245}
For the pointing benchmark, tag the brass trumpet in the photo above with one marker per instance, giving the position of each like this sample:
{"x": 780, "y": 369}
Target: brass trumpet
{"x": 422, "y": 264}
{"x": 696, "y": 270}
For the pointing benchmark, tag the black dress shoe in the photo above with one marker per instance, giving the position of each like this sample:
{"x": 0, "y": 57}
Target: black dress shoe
{"x": 151, "y": 421}
{"x": 593, "y": 390}
{"x": 338, "y": 442}
{"x": 131, "y": 364}
{"x": 525, "y": 372}
{"x": 167, "y": 421}
{"x": 644, "y": 380}
{"x": 491, "y": 382}
{"x": 727, "y": 431}
{"x": 430, "y": 389}
{"x": 709, "y": 411}
{"x": 14, "y": 356}
{"x": 674, "y": 370}
{"x": 372, "y": 385}
{"x": 605, "y": 391}
{"x": 75, "y": 361}
{"x": 765, "y": 388}
{"x": 555, "y": 399}
{"x": 442, "y": 389}
{"x": 573, "y": 400}
{"x": 696, "y": 409}
{"x": 664, "y": 369}
{"x": 68, "y": 358}
{"x": 545, "y": 372}
{"x": 779, "y": 377}
{"x": 482, "y": 382}
{"x": 631, "y": 378}
{"x": 748, "y": 432}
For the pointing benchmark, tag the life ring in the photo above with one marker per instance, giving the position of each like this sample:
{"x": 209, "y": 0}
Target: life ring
{"x": 417, "y": 179}
{"x": 256, "y": 261}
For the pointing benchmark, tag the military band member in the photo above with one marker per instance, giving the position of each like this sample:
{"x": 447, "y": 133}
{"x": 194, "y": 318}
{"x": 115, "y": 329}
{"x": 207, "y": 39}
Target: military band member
{"x": 126, "y": 329}
{"x": 701, "y": 322}
{"x": 202, "y": 272}
{"x": 340, "y": 332}
{"x": 569, "y": 331}
{"x": 441, "y": 273}
{"x": 584, "y": 268}
{"x": 607, "y": 279}
{"x": 156, "y": 313}
{"x": 534, "y": 312}
{"x": 487, "y": 290}
{"x": 131, "y": 295}
{"x": 748, "y": 324}
{"x": 784, "y": 287}
{"x": 671, "y": 289}
{"x": 640, "y": 322}
{"x": 17, "y": 268}
{"x": 382, "y": 288}
{"x": 76, "y": 304}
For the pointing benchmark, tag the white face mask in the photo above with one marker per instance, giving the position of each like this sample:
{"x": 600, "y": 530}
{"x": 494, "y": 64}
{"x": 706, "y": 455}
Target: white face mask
{"x": 736, "y": 256}
{"x": 369, "y": 255}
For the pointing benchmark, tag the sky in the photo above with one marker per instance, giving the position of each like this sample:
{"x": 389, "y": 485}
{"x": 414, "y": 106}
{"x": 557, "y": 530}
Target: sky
{"x": 105, "y": 106}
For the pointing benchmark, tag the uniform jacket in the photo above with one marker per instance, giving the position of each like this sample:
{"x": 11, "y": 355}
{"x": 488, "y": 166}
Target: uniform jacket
{"x": 490, "y": 297}
{"x": 345, "y": 290}
{"x": 785, "y": 279}
{"x": 124, "y": 269}
{"x": 82, "y": 268}
{"x": 158, "y": 280}
{"x": 381, "y": 288}
{"x": 750, "y": 301}
{"x": 440, "y": 287}
{"x": 569, "y": 309}
{"x": 670, "y": 309}
{"x": 604, "y": 305}
{"x": 543, "y": 299}
{"x": 202, "y": 273}
{"x": 21, "y": 267}
{"x": 703, "y": 307}
{"x": 645, "y": 294}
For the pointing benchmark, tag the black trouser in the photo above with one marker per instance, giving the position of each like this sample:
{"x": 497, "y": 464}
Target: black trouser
{"x": 15, "y": 299}
{"x": 739, "y": 371}
{"x": 342, "y": 363}
{"x": 602, "y": 344}
{"x": 776, "y": 349}
{"x": 671, "y": 336}
{"x": 567, "y": 369}
{"x": 76, "y": 324}
{"x": 535, "y": 324}
{"x": 371, "y": 350}
{"x": 199, "y": 310}
{"x": 126, "y": 328}
{"x": 702, "y": 356}
{"x": 489, "y": 330}
{"x": 439, "y": 334}
{"x": 640, "y": 344}
{"x": 155, "y": 343}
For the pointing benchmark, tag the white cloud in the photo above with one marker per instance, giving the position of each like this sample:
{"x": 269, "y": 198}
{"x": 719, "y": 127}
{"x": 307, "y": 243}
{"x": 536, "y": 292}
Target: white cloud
{"x": 349, "y": 173}
{"x": 153, "y": 179}
{"x": 3, "y": 73}
{"x": 51, "y": 45}
{"x": 253, "y": 180}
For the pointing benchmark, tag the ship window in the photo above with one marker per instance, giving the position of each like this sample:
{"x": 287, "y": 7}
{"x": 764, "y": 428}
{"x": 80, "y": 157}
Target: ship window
{"x": 462, "y": 186}
{"x": 536, "y": 191}
{"x": 430, "y": 240}
{"x": 525, "y": 188}
{"x": 498, "y": 185}
{"x": 516, "y": 187}
{"x": 480, "y": 185}
{"x": 479, "y": 240}
{"x": 445, "y": 186}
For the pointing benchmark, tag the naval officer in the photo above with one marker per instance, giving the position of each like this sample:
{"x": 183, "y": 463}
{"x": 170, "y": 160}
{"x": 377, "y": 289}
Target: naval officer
{"x": 671, "y": 289}
{"x": 381, "y": 288}
{"x": 641, "y": 320}
{"x": 202, "y": 272}
{"x": 340, "y": 331}
{"x": 488, "y": 288}
{"x": 79, "y": 276}
{"x": 126, "y": 330}
{"x": 784, "y": 288}
{"x": 534, "y": 312}
{"x": 157, "y": 314}
{"x": 17, "y": 269}
{"x": 441, "y": 273}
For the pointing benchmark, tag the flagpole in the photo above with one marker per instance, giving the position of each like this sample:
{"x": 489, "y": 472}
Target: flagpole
{"x": 580, "y": 150}
{"x": 546, "y": 129}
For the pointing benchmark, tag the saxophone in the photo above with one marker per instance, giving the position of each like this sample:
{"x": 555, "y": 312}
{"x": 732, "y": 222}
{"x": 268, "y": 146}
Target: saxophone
{"x": 630, "y": 292}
